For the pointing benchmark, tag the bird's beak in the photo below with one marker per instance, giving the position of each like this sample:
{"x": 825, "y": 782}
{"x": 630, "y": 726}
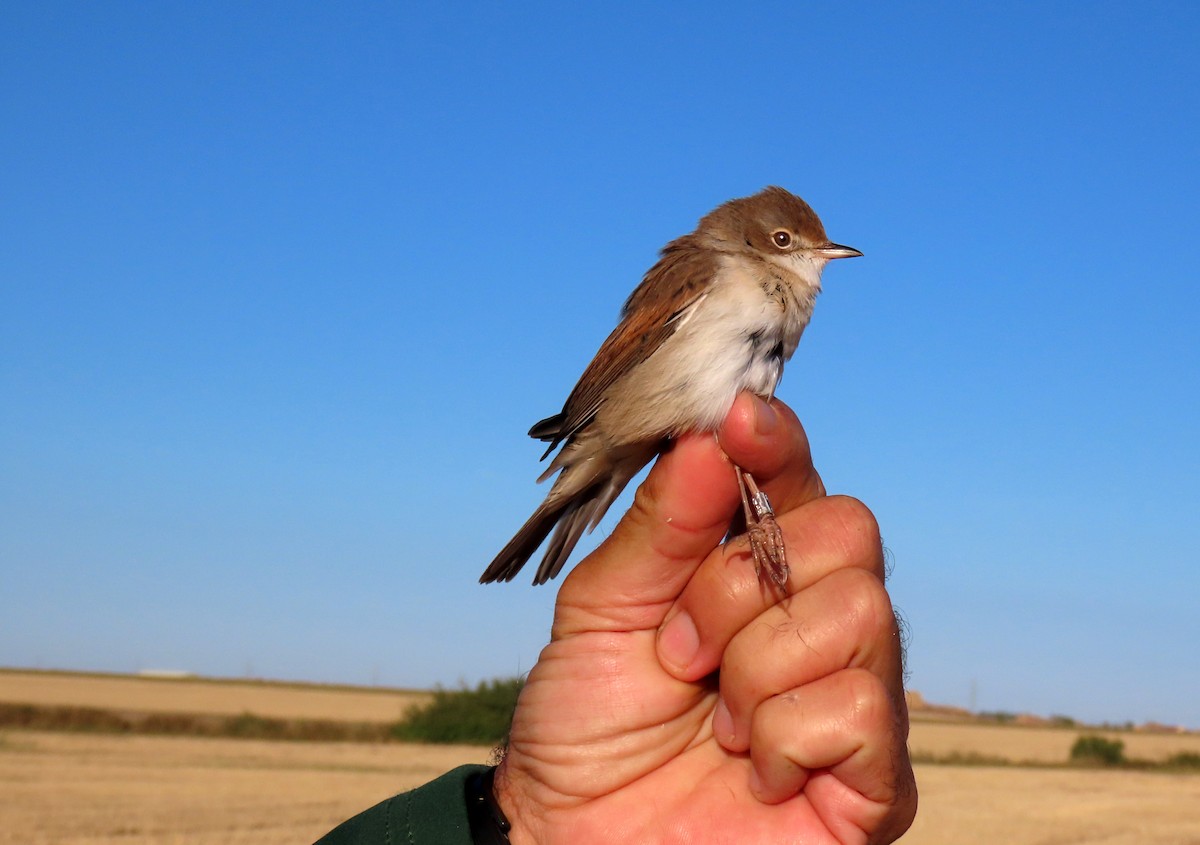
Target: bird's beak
{"x": 831, "y": 251}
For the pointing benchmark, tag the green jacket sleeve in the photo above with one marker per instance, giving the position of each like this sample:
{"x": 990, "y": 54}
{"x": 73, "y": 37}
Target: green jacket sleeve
{"x": 433, "y": 814}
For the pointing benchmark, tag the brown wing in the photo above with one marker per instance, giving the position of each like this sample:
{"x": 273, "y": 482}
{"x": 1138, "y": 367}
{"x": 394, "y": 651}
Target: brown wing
{"x": 649, "y": 317}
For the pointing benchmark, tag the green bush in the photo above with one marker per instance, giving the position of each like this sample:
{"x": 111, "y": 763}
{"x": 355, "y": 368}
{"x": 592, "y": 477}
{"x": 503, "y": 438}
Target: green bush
{"x": 1098, "y": 751}
{"x": 481, "y": 715}
{"x": 1001, "y": 716}
{"x": 1184, "y": 760}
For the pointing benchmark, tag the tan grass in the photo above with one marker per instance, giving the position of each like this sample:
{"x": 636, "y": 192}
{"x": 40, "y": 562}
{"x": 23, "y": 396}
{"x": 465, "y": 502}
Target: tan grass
{"x": 228, "y": 698}
{"x": 92, "y": 789}
{"x": 1014, "y": 806}
{"x": 70, "y": 789}
{"x": 1036, "y": 744}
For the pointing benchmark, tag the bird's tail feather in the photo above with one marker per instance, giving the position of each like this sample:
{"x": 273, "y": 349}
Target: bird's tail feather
{"x": 570, "y": 528}
{"x": 568, "y": 515}
{"x": 521, "y": 547}
{"x": 569, "y": 522}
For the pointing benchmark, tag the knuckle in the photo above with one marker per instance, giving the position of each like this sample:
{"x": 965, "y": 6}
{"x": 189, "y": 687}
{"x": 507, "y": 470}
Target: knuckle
{"x": 868, "y": 607}
{"x": 858, "y": 533}
{"x": 869, "y": 706}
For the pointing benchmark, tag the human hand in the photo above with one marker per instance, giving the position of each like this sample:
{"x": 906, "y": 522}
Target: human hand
{"x": 682, "y": 700}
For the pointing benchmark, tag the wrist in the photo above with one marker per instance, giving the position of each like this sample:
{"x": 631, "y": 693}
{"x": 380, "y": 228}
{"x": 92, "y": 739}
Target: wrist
{"x": 512, "y": 805}
{"x": 489, "y": 824}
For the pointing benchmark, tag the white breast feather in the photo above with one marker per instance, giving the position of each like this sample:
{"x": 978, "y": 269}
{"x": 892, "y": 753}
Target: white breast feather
{"x": 690, "y": 382}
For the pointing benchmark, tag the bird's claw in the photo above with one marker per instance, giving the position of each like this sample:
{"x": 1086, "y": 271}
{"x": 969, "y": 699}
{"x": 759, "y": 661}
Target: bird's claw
{"x": 763, "y": 532}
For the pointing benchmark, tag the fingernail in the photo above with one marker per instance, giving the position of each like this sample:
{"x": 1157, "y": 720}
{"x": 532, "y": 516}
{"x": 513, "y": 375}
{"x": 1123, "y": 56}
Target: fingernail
{"x": 678, "y": 641}
{"x": 765, "y": 418}
{"x": 722, "y": 724}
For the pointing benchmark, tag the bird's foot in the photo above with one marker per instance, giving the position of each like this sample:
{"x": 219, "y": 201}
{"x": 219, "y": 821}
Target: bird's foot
{"x": 763, "y": 532}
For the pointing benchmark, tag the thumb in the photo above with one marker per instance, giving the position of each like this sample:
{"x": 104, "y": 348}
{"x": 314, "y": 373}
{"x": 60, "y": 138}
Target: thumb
{"x": 679, "y": 515}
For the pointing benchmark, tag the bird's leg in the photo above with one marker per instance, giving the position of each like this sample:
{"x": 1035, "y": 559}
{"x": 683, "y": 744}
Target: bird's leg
{"x": 766, "y": 538}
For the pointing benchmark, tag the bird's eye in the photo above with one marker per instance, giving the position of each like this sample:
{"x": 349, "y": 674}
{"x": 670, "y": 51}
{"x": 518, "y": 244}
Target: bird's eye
{"x": 782, "y": 238}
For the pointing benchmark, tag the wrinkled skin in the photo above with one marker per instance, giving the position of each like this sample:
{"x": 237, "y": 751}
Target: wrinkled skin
{"x": 682, "y": 699}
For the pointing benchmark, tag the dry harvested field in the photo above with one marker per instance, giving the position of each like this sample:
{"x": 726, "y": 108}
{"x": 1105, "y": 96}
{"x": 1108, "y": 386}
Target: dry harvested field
{"x": 89, "y": 789}
{"x": 1036, "y": 745}
{"x": 213, "y": 697}
{"x": 95, "y": 789}
{"x": 71, "y": 789}
{"x": 1014, "y": 806}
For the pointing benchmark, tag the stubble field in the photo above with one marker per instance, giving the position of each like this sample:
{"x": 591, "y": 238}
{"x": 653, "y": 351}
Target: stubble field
{"x": 95, "y": 789}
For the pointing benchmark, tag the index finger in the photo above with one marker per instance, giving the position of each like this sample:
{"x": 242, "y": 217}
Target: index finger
{"x": 781, "y": 464}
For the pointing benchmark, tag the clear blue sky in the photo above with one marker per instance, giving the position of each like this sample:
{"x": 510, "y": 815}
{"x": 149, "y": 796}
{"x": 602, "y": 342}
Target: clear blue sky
{"x": 282, "y": 286}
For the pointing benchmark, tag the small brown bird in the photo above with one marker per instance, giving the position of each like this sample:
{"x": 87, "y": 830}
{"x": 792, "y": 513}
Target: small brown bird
{"x": 720, "y": 313}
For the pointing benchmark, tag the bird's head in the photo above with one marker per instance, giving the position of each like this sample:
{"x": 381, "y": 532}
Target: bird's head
{"x": 773, "y": 225}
